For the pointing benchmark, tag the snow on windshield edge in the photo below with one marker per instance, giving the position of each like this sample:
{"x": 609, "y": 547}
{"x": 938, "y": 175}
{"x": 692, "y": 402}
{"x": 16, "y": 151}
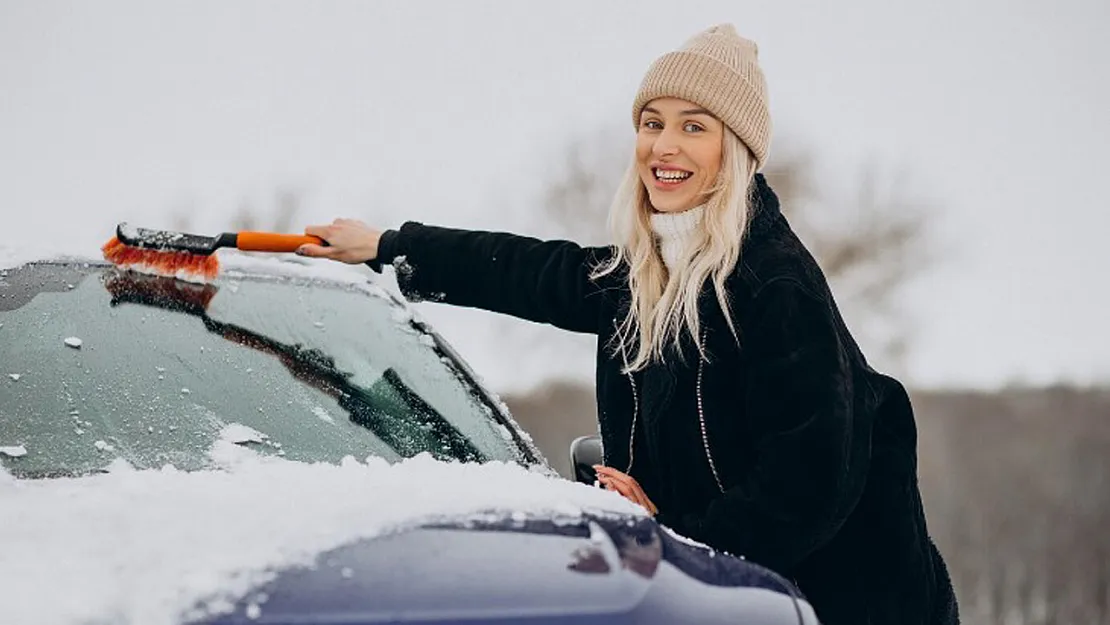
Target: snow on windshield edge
{"x": 231, "y": 261}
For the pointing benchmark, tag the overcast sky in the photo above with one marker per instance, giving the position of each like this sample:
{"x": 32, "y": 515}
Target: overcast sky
{"x": 455, "y": 113}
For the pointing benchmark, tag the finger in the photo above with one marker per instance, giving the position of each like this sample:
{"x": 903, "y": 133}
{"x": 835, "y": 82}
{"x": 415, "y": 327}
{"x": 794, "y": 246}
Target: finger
{"x": 600, "y": 468}
{"x": 608, "y": 483}
{"x": 619, "y": 478}
{"x": 319, "y": 231}
{"x": 610, "y": 471}
{"x": 629, "y": 485}
{"x": 621, "y": 488}
{"x": 316, "y": 251}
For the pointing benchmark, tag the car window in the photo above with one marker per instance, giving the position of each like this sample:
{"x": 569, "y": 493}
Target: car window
{"x": 100, "y": 364}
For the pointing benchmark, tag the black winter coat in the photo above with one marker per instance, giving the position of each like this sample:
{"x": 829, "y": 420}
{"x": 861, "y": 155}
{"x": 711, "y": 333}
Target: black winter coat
{"x": 785, "y": 448}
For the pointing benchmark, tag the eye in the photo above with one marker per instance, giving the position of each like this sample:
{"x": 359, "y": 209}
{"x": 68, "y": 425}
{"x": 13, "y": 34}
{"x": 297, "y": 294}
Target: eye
{"x": 692, "y": 127}
{"x": 652, "y": 124}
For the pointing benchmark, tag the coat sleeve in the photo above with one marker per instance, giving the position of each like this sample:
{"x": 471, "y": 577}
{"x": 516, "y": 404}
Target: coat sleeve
{"x": 542, "y": 281}
{"x": 812, "y": 449}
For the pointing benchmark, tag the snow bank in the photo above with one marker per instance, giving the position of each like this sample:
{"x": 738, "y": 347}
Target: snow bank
{"x": 147, "y": 546}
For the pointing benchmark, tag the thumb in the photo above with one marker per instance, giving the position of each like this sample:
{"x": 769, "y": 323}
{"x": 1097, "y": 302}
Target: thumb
{"x": 316, "y": 251}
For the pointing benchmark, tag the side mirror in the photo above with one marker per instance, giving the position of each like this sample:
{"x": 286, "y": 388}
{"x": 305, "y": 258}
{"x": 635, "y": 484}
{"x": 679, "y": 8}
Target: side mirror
{"x": 585, "y": 452}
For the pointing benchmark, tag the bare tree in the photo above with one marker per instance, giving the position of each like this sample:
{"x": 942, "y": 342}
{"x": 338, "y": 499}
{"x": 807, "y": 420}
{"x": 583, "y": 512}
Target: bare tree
{"x": 280, "y": 218}
{"x": 576, "y": 201}
{"x": 287, "y": 204}
{"x": 1021, "y": 504}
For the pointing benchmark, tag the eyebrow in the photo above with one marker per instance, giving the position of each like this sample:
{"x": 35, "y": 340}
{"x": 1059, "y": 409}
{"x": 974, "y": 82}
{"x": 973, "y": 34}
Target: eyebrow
{"x": 698, "y": 111}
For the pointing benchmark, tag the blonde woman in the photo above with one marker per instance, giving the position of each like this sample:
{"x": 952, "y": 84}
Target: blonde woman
{"x": 733, "y": 402}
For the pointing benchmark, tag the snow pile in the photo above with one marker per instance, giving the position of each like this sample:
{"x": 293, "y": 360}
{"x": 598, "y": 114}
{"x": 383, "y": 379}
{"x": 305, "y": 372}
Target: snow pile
{"x": 239, "y": 433}
{"x": 14, "y": 451}
{"x": 233, "y": 263}
{"x": 323, "y": 414}
{"x": 150, "y": 546}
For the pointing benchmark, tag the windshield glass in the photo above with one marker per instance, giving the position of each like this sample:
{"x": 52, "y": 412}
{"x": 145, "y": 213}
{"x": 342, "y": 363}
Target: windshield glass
{"x": 100, "y": 364}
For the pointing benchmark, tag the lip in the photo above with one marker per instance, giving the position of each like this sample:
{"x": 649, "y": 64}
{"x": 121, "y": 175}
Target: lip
{"x": 667, "y": 167}
{"x": 668, "y": 186}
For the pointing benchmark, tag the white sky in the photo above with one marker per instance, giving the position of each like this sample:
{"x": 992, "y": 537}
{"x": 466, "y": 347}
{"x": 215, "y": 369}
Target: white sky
{"x": 449, "y": 113}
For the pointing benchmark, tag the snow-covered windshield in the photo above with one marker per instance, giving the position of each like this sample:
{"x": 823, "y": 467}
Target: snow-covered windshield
{"x": 98, "y": 364}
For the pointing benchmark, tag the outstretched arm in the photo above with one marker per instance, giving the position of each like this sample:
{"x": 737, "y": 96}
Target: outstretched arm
{"x": 542, "y": 281}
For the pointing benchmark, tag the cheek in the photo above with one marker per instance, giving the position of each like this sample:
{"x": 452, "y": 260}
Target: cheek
{"x": 709, "y": 162}
{"x": 643, "y": 151}
{"x": 712, "y": 174}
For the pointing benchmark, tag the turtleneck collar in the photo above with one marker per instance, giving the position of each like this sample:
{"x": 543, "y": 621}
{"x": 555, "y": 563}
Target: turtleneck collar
{"x": 674, "y": 232}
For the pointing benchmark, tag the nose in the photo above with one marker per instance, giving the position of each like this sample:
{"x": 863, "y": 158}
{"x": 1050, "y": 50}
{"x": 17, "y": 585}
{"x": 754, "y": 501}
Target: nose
{"x": 666, "y": 144}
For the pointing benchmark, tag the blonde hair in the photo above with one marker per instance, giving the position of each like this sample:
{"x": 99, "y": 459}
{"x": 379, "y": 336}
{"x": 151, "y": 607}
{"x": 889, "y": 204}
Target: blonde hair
{"x": 663, "y": 306}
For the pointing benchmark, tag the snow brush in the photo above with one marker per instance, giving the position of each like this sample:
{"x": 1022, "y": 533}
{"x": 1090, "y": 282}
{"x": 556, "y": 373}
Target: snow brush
{"x": 190, "y": 257}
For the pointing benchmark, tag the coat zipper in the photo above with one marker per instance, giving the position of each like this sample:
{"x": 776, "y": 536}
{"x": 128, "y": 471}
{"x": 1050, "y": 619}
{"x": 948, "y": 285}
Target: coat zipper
{"x": 632, "y": 434}
{"x": 701, "y": 421}
{"x": 635, "y": 409}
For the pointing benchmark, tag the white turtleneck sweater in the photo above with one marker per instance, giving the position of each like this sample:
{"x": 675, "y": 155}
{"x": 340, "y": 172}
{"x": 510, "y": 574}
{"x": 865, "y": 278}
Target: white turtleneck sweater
{"x": 674, "y": 232}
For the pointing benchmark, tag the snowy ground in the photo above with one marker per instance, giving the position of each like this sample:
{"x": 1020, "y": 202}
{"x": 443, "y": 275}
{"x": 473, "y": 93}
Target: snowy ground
{"x": 132, "y": 547}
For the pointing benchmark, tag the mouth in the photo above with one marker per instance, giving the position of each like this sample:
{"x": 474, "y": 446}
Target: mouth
{"x": 669, "y": 178}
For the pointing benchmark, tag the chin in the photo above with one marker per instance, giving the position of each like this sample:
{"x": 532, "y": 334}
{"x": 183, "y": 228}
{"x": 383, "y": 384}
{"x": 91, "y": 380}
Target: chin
{"x": 670, "y": 205}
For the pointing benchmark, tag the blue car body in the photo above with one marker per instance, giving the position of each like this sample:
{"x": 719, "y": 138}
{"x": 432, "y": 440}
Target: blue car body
{"x": 596, "y": 569}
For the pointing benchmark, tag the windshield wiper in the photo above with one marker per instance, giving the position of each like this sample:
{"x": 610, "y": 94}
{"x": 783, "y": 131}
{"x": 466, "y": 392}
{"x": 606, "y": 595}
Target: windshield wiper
{"x": 49, "y": 474}
{"x": 389, "y": 408}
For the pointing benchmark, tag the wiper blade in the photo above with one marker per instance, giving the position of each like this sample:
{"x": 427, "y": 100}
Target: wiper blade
{"x": 50, "y": 474}
{"x": 367, "y": 407}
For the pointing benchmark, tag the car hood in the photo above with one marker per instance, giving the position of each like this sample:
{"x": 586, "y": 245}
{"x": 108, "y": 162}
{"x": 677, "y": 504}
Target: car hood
{"x": 590, "y": 569}
{"x": 265, "y": 539}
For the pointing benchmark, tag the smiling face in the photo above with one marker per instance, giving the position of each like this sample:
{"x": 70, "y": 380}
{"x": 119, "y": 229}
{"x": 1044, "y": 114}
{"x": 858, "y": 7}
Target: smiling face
{"x": 679, "y": 146}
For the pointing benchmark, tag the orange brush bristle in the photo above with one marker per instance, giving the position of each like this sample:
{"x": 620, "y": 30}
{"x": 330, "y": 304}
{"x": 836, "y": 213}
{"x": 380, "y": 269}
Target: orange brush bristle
{"x": 171, "y": 263}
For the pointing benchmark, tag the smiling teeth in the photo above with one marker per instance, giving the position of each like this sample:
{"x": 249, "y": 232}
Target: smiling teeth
{"x": 671, "y": 174}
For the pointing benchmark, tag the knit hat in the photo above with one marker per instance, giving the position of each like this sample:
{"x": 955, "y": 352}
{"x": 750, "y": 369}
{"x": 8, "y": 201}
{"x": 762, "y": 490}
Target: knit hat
{"x": 719, "y": 70}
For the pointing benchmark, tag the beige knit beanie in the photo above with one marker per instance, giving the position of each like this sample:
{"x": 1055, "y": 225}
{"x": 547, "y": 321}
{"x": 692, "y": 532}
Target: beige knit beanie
{"x": 719, "y": 70}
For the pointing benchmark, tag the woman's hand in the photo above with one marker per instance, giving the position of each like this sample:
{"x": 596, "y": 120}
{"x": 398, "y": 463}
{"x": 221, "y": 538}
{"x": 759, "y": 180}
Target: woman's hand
{"x": 349, "y": 241}
{"x": 626, "y": 485}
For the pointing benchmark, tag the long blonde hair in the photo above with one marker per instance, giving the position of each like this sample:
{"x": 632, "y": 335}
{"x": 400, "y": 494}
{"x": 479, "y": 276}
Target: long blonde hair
{"x": 663, "y": 306}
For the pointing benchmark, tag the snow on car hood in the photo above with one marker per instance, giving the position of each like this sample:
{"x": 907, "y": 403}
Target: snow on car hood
{"x": 154, "y": 546}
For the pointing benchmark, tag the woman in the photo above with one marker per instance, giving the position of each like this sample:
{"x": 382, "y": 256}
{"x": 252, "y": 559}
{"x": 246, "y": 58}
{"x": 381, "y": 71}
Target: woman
{"x": 733, "y": 402}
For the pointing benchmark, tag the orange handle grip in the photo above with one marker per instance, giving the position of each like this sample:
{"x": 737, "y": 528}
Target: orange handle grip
{"x": 274, "y": 242}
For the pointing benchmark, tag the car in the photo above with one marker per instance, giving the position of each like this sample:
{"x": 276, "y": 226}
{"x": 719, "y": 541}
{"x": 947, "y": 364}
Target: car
{"x": 291, "y": 445}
